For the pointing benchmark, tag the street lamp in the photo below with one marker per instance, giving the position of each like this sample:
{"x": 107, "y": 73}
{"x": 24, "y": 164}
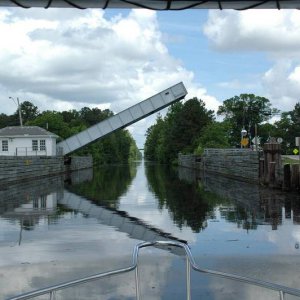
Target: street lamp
{"x": 19, "y": 109}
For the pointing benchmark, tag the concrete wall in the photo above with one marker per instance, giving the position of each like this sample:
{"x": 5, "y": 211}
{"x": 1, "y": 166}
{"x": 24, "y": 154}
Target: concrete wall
{"x": 24, "y": 168}
{"x": 79, "y": 163}
{"x": 191, "y": 161}
{"x": 18, "y": 168}
{"x": 242, "y": 164}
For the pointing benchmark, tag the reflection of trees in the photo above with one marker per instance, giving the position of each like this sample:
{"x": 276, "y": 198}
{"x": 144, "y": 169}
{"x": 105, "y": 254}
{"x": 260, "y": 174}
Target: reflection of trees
{"x": 107, "y": 185}
{"x": 188, "y": 203}
{"x": 239, "y": 215}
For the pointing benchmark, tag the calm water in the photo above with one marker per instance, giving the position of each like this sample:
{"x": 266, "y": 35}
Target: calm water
{"x": 59, "y": 229}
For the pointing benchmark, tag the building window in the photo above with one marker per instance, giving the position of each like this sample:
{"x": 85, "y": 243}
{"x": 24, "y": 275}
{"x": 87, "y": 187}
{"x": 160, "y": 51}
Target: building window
{"x": 42, "y": 145}
{"x": 4, "y": 145}
{"x": 35, "y": 203}
{"x": 35, "y": 146}
{"x": 43, "y": 201}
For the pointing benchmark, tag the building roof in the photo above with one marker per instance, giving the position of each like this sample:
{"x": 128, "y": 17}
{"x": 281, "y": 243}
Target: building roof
{"x": 24, "y": 131}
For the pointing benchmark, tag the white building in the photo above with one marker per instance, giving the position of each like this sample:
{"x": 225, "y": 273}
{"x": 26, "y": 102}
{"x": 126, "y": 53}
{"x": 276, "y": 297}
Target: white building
{"x": 27, "y": 141}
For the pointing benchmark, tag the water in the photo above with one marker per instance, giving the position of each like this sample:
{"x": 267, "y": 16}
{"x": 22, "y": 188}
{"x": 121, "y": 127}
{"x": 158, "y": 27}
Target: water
{"x": 60, "y": 229}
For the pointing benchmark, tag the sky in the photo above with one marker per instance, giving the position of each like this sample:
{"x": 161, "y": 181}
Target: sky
{"x": 62, "y": 59}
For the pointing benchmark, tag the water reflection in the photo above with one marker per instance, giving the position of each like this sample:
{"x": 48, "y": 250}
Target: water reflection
{"x": 107, "y": 185}
{"x": 248, "y": 205}
{"x": 186, "y": 201}
{"x": 58, "y": 229}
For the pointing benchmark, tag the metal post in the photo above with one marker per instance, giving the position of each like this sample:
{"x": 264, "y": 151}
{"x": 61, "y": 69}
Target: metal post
{"x": 52, "y": 295}
{"x": 188, "y": 279}
{"x": 137, "y": 283}
{"x": 19, "y": 109}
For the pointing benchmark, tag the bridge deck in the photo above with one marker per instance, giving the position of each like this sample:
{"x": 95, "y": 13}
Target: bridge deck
{"x": 124, "y": 118}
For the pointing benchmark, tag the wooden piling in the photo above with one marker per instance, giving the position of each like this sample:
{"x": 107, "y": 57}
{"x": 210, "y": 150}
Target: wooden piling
{"x": 295, "y": 176}
{"x": 286, "y": 177}
{"x": 271, "y": 174}
{"x": 272, "y": 164}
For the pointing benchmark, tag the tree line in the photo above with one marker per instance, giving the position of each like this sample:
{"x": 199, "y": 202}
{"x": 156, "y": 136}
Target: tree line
{"x": 190, "y": 127}
{"x": 118, "y": 147}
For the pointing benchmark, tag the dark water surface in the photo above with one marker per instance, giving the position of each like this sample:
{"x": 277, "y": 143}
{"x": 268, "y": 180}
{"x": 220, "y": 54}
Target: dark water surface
{"x": 59, "y": 229}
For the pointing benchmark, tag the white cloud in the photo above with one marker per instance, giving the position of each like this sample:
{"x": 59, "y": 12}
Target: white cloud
{"x": 64, "y": 59}
{"x": 280, "y": 82}
{"x": 254, "y": 30}
{"x": 276, "y": 34}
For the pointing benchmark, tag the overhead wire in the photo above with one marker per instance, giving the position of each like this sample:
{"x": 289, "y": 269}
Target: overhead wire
{"x": 220, "y": 5}
{"x": 106, "y": 4}
{"x": 162, "y": 9}
{"x": 74, "y": 5}
{"x": 255, "y": 5}
{"x": 48, "y": 4}
{"x": 278, "y": 4}
{"x": 162, "y": 4}
{"x": 19, "y": 4}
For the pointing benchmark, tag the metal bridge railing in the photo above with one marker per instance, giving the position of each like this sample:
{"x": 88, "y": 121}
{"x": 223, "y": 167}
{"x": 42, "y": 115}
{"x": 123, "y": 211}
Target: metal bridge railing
{"x": 190, "y": 263}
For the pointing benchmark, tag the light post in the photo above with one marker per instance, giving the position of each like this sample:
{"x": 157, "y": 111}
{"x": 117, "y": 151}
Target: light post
{"x": 19, "y": 109}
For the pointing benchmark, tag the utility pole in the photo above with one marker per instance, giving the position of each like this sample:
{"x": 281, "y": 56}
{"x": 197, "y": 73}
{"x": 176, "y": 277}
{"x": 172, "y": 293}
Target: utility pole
{"x": 256, "y": 139}
{"x": 19, "y": 109}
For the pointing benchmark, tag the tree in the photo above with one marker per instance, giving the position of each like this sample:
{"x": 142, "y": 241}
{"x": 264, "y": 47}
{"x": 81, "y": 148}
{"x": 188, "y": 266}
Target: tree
{"x": 29, "y": 111}
{"x": 214, "y": 135}
{"x": 178, "y": 131}
{"x": 94, "y": 115}
{"x": 72, "y": 117}
{"x": 154, "y": 141}
{"x": 3, "y": 120}
{"x": 288, "y": 127}
{"x": 52, "y": 121}
{"x": 245, "y": 111}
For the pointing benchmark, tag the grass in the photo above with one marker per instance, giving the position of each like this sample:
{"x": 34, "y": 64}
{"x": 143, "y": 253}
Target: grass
{"x": 286, "y": 160}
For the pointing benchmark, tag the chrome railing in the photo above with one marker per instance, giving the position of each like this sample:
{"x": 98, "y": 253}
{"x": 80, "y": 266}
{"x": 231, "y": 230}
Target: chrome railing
{"x": 190, "y": 263}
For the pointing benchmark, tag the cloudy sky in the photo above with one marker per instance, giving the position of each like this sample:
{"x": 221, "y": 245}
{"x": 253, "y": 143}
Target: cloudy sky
{"x": 60, "y": 59}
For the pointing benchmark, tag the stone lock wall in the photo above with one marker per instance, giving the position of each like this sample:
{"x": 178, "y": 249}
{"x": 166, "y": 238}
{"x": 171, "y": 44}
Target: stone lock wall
{"x": 24, "y": 168}
{"x": 16, "y": 168}
{"x": 240, "y": 164}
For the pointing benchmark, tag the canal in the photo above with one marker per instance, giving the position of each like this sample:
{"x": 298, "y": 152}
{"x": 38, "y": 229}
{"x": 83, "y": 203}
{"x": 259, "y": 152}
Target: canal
{"x": 61, "y": 228}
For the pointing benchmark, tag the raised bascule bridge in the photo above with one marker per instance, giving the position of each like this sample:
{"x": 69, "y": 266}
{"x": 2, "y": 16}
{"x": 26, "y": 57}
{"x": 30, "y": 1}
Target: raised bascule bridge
{"x": 123, "y": 119}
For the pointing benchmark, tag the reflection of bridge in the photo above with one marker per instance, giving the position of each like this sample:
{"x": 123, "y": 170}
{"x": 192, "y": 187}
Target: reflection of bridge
{"x": 123, "y": 119}
{"x": 134, "y": 227}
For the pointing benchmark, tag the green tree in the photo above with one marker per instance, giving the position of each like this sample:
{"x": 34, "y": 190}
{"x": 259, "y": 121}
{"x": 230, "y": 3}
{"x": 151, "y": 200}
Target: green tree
{"x": 189, "y": 124}
{"x": 154, "y": 143}
{"x": 94, "y": 115}
{"x": 72, "y": 117}
{"x": 178, "y": 131}
{"x": 214, "y": 135}
{"x": 288, "y": 127}
{"x": 3, "y": 120}
{"x": 29, "y": 111}
{"x": 52, "y": 121}
{"x": 245, "y": 111}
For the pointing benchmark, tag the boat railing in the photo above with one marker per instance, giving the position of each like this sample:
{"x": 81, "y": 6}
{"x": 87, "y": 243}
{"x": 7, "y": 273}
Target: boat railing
{"x": 190, "y": 264}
